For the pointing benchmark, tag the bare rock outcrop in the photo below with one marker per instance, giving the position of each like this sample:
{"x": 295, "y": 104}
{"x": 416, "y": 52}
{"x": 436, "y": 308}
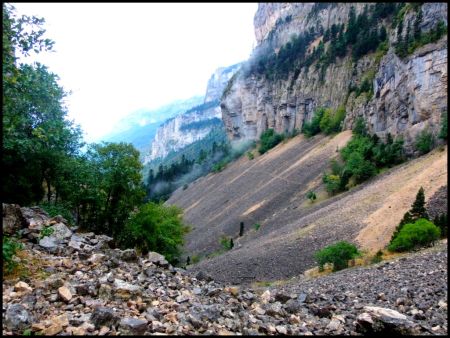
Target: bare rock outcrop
{"x": 409, "y": 94}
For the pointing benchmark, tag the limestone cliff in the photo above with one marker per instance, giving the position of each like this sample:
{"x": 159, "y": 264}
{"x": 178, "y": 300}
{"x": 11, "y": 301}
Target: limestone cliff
{"x": 194, "y": 124}
{"x": 408, "y": 93}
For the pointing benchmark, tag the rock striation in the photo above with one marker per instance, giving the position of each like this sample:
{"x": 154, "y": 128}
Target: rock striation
{"x": 409, "y": 94}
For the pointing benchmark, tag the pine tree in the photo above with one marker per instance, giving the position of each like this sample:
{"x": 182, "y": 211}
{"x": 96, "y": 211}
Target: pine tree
{"x": 418, "y": 209}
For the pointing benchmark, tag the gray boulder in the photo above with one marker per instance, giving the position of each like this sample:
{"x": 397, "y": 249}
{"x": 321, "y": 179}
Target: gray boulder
{"x": 382, "y": 320}
{"x": 132, "y": 326}
{"x": 17, "y": 318}
{"x": 158, "y": 259}
{"x": 12, "y": 218}
{"x": 103, "y": 316}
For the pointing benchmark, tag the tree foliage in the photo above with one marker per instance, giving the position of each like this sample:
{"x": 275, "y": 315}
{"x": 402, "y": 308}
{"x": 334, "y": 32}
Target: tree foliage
{"x": 412, "y": 235}
{"x": 338, "y": 254}
{"x": 361, "y": 158}
{"x": 43, "y": 162}
{"x": 155, "y": 227}
{"x": 416, "y": 212}
{"x": 268, "y": 140}
{"x": 37, "y": 137}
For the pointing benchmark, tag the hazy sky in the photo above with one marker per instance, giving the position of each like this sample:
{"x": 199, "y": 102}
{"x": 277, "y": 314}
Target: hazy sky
{"x": 120, "y": 57}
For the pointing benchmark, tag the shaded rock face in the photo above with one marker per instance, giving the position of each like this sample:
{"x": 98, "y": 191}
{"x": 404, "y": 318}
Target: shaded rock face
{"x": 409, "y": 95}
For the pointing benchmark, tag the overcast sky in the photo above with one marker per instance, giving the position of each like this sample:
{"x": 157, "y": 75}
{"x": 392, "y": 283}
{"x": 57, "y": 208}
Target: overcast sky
{"x": 120, "y": 57}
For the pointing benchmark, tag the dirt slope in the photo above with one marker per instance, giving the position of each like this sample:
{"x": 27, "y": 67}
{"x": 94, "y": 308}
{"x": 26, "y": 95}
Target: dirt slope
{"x": 270, "y": 190}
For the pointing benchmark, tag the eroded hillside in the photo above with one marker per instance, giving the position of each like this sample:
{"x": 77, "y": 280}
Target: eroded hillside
{"x": 270, "y": 190}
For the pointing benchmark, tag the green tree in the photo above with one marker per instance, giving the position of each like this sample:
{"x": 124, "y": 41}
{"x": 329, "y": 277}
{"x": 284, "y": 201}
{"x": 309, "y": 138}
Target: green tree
{"x": 412, "y": 235}
{"x": 416, "y": 212}
{"x": 311, "y": 195}
{"x": 338, "y": 254}
{"x": 360, "y": 127}
{"x": 155, "y": 227}
{"x": 117, "y": 172}
{"x": 418, "y": 209}
{"x": 37, "y": 138}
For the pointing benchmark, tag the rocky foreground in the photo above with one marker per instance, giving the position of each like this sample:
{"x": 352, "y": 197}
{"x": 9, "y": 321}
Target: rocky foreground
{"x": 80, "y": 286}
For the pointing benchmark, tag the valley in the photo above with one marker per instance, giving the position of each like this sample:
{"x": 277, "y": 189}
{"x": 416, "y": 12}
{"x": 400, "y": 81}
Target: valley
{"x": 305, "y": 193}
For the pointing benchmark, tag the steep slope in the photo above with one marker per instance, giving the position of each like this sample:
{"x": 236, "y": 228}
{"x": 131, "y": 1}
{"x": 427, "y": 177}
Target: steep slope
{"x": 297, "y": 67}
{"x": 271, "y": 189}
{"x": 194, "y": 124}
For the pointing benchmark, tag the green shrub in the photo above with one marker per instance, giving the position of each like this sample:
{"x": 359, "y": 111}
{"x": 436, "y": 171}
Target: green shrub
{"x": 416, "y": 211}
{"x": 268, "y": 140}
{"x": 424, "y": 142}
{"x": 338, "y": 254}
{"x": 332, "y": 183}
{"x": 226, "y": 242}
{"x": 331, "y": 121}
{"x": 311, "y": 195}
{"x": 312, "y": 128}
{"x": 155, "y": 227}
{"x": 185, "y": 186}
{"x": 46, "y": 231}
{"x": 257, "y": 226}
{"x": 389, "y": 153}
{"x": 218, "y": 167}
{"x": 360, "y": 168}
{"x": 10, "y": 248}
{"x": 195, "y": 259}
{"x": 58, "y": 209}
{"x": 250, "y": 155}
{"x": 413, "y": 235}
{"x": 359, "y": 127}
{"x": 377, "y": 258}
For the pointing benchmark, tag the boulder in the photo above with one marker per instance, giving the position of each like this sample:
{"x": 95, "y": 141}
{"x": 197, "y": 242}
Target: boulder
{"x": 50, "y": 243}
{"x": 104, "y": 316}
{"x": 201, "y": 275}
{"x": 65, "y": 294}
{"x": 158, "y": 259}
{"x": 61, "y": 231}
{"x": 35, "y": 217}
{"x": 132, "y": 326}
{"x": 12, "y": 218}
{"x": 17, "y": 318}
{"x": 376, "y": 320}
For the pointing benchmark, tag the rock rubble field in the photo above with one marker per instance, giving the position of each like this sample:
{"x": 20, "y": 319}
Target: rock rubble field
{"x": 84, "y": 287}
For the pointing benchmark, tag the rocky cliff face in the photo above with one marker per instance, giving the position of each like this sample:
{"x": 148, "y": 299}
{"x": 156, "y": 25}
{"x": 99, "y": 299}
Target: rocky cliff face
{"x": 408, "y": 94}
{"x": 196, "y": 123}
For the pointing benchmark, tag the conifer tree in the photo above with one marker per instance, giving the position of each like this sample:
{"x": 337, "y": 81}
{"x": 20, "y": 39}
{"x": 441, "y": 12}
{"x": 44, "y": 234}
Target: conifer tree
{"x": 418, "y": 209}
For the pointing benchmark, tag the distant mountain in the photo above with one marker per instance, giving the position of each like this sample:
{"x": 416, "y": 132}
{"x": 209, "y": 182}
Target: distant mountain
{"x": 194, "y": 124}
{"x": 139, "y": 127}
